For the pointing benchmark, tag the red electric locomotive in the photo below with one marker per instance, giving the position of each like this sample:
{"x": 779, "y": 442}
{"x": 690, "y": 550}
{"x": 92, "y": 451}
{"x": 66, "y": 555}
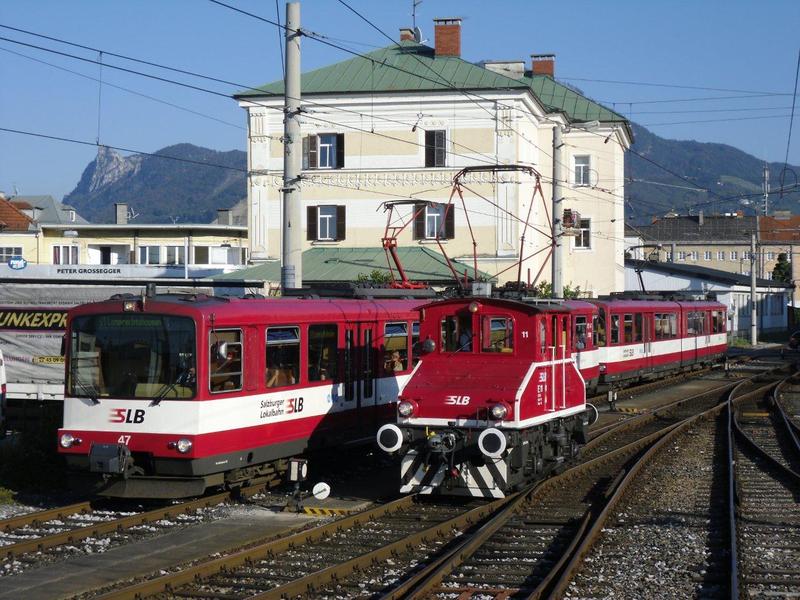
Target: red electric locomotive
{"x": 168, "y": 395}
{"x": 499, "y": 397}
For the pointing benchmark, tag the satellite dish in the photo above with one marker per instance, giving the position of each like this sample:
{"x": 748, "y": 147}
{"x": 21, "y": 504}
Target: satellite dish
{"x": 417, "y": 35}
{"x": 321, "y": 491}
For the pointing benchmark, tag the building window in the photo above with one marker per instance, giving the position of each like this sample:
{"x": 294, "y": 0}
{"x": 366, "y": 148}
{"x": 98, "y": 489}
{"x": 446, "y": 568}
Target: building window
{"x": 65, "y": 255}
{"x": 435, "y": 148}
{"x": 325, "y": 223}
{"x": 582, "y": 167}
{"x": 149, "y": 255}
{"x": 770, "y": 256}
{"x": 734, "y": 255}
{"x": 693, "y": 255}
{"x": 323, "y": 151}
{"x": 681, "y": 255}
{"x": 433, "y": 220}
{"x": 721, "y": 255}
{"x": 218, "y": 255}
{"x": 584, "y": 237}
{"x": 707, "y": 255}
{"x": 176, "y": 255}
{"x": 668, "y": 256}
{"x": 6, "y": 253}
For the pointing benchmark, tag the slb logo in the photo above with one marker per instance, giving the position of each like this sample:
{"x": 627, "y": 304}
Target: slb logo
{"x": 457, "y": 400}
{"x": 126, "y": 415}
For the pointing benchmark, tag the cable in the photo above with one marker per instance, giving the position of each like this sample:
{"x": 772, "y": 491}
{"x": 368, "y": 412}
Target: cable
{"x": 280, "y": 45}
{"x": 670, "y": 85}
{"x": 791, "y": 122}
{"x": 716, "y": 120}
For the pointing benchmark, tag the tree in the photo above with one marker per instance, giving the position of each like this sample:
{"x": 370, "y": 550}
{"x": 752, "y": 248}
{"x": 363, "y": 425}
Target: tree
{"x": 543, "y": 289}
{"x": 377, "y": 276}
{"x": 783, "y": 269}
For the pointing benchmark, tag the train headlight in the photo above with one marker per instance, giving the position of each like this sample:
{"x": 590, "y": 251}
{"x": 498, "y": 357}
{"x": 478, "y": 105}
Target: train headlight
{"x": 67, "y": 440}
{"x": 428, "y": 346}
{"x": 474, "y": 307}
{"x": 183, "y": 445}
{"x": 405, "y": 408}
{"x": 499, "y": 412}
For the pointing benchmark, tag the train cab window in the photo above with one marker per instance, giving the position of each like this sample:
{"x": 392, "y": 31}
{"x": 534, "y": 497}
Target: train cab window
{"x": 638, "y": 327}
{"x": 627, "y": 329}
{"x": 542, "y": 337}
{"x": 322, "y": 343}
{"x": 416, "y": 348}
{"x": 497, "y": 334}
{"x": 579, "y": 338}
{"x": 457, "y": 334}
{"x": 225, "y": 368}
{"x": 283, "y": 356}
{"x": 395, "y": 347}
{"x": 717, "y": 321}
{"x": 599, "y": 329}
{"x": 615, "y": 329}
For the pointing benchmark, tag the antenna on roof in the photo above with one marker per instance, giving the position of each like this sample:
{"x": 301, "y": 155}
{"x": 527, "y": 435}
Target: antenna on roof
{"x": 132, "y": 214}
{"x": 414, "y": 4}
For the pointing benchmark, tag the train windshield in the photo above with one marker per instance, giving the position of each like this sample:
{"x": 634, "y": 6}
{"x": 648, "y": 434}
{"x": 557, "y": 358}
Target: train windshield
{"x": 132, "y": 356}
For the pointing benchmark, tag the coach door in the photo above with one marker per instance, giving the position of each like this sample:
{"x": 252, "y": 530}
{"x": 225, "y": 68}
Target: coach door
{"x": 559, "y": 353}
{"x": 643, "y": 323}
{"x": 360, "y": 372}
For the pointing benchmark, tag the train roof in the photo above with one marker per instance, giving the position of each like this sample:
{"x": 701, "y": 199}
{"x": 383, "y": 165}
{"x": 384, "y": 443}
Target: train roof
{"x": 648, "y": 305}
{"x": 528, "y": 305}
{"x": 255, "y": 310}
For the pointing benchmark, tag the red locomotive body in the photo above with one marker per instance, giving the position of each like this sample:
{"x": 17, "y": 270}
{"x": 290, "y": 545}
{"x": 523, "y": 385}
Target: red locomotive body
{"x": 499, "y": 397}
{"x": 168, "y": 395}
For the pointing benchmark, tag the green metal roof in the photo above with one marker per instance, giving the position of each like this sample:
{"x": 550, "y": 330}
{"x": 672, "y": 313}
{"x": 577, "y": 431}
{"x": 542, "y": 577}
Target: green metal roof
{"x": 346, "y": 264}
{"x": 412, "y": 67}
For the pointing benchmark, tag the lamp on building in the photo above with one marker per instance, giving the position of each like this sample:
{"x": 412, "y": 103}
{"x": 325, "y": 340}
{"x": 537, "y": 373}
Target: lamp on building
{"x": 69, "y": 233}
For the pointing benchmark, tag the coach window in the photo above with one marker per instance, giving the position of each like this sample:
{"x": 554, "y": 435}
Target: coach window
{"x": 395, "y": 347}
{"x": 627, "y": 329}
{"x": 599, "y": 329}
{"x": 579, "y": 339}
{"x": 225, "y": 370}
{"x": 497, "y": 334}
{"x": 322, "y": 342}
{"x": 283, "y": 356}
{"x": 615, "y": 329}
{"x": 718, "y": 321}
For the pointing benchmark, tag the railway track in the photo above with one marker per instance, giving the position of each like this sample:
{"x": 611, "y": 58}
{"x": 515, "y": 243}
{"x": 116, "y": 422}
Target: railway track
{"x": 767, "y": 484}
{"x": 97, "y": 524}
{"x": 335, "y": 560}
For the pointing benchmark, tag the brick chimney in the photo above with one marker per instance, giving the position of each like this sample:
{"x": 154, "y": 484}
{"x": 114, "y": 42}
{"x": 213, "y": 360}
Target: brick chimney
{"x": 447, "y": 36}
{"x": 406, "y": 34}
{"x": 543, "y": 64}
{"x": 120, "y": 214}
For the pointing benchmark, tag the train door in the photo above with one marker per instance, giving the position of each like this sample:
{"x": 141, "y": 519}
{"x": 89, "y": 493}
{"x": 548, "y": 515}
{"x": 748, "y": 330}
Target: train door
{"x": 559, "y": 353}
{"x": 360, "y": 373}
{"x": 643, "y": 322}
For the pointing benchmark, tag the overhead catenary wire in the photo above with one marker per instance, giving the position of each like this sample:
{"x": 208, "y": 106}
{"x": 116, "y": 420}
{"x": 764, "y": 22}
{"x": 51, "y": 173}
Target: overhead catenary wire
{"x": 791, "y": 122}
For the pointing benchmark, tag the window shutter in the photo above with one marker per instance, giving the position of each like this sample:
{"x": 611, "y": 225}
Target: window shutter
{"x": 340, "y": 151}
{"x": 419, "y": 221}
{"x": 440, "y": 143}
{"x": 311, "y": 225}
{"x": 340, "y": 223}
{"x": 430, "y": 148}
{"x": 305, "y": 152}
{"x": 449, "y": 222}
{"x": 313, "y": 145}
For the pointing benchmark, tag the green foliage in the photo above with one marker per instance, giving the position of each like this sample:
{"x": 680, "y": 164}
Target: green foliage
{"x": 544, "y": 289}
{"x": 783, "y": 269}
{"x": 377, "y": 276}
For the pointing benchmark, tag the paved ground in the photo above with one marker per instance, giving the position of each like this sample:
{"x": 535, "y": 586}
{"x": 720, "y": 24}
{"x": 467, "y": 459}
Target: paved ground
{"x": 86, "y": 572}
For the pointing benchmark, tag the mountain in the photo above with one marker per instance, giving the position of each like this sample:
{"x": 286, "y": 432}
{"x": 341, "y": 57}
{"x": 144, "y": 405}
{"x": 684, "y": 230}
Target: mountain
{"x": 160, "y": 190}
{"x": 732, "y": 177}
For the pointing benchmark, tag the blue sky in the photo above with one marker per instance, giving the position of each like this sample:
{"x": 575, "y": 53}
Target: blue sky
{"x": 732, "y": 45}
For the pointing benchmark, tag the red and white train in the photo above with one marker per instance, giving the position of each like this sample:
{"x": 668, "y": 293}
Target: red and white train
{"x": 499, "y": 397}
{"x": 168, "y": 395}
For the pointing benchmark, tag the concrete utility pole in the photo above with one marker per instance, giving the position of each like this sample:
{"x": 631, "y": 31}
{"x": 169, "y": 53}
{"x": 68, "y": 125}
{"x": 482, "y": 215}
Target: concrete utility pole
{"x": 753, "y": 303}
{"x": 558, "y": 214}
{"x": 766, "y": 190}
{"x": 292, "y": 250}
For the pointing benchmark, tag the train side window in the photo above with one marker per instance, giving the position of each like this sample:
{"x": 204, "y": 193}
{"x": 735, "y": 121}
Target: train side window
{"x": 579, "y": 339}
{"x": 695, "y": 323}
{"x": 225, "y": 373}
{"x": 395, "y": 346}
{"x": 615, "y": 329}
{"x": 283, "y": 356}
{"x": 542, "y": 337}
{"x": 322, "y": 341}
{"x": 717, "y": 321}
{"x": 457, "y": 334}
{"x": 497, "y": 334}
{"x": 599, "y": 329}
{"x": 638, "y": 327}
{"x": 415, "y": 345}
{"x": 627, "y": 323}
{"x": 661, "y": 325}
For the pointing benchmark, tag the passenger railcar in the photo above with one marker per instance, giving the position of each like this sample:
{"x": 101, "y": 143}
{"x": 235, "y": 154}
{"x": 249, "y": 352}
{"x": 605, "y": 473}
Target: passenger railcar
{"x": 168, "y": 395}
{"x": 499, "y": 397}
